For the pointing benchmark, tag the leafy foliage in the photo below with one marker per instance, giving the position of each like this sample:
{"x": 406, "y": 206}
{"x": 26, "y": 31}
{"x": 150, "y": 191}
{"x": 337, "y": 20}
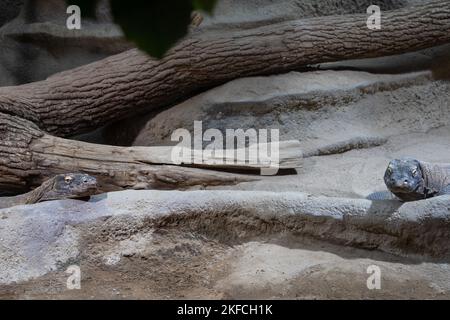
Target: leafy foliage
{"x": 204, "y": 5}
{"x": 153, "y": 25}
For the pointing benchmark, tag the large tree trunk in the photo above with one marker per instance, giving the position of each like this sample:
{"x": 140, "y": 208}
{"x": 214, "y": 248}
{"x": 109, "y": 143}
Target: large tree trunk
{"x": 122, "y": 85}
{"x": 29, "y": 156}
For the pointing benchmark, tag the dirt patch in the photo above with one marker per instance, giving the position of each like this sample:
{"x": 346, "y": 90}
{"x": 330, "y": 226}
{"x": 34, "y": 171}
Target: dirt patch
{"x": 160, "y": 265}
{"x": 175, "y": 265}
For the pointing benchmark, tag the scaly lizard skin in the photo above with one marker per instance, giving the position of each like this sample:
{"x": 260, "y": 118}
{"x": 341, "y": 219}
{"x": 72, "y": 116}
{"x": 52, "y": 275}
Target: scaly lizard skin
{"x": 62, "y": 186}
{"x": 410, "y": 179}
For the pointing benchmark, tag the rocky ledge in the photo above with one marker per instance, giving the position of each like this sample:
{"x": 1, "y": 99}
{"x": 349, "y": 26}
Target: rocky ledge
{"x": 45, "y": 237}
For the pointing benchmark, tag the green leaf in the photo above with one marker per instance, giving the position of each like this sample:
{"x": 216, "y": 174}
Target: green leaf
{"x": 204, "y": 5}
{"x": 87, "y": 7}
{"x": 155, "y": 26}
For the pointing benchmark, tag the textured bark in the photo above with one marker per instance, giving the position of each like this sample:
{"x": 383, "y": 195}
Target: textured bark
{"x": 28, "y": 157}
{"x": 122, "y": 85}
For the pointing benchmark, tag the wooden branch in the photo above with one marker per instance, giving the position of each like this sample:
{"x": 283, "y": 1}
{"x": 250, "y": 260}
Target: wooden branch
{"x": 28, "y": 157}
{"x": 88, "y": 97}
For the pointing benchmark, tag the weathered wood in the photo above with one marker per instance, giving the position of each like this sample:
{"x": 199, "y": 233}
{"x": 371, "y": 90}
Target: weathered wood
{"x": 88, "y": 97}
{"x": 28, "y": 156}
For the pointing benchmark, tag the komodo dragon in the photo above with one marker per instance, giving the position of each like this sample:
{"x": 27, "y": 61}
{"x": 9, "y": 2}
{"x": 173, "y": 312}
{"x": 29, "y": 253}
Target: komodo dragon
{"x": 62, "y": 186}
{"x": 409, "y": 180}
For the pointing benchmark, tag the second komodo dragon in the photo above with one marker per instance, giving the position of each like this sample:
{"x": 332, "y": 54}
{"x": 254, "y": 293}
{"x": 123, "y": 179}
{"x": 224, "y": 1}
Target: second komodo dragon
{"x": 409, "y": 179}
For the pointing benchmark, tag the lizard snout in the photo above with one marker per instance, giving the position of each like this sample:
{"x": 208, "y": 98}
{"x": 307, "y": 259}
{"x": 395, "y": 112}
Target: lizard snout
{"x": 402, "y": 183}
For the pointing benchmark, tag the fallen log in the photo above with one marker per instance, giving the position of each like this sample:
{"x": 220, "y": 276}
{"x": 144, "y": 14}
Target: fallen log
{"x": 129, "y": 83}
{"x": 29, "y": 156}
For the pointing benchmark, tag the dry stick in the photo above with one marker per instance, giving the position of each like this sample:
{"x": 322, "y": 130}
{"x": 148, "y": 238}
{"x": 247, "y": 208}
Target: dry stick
{"x": 88, "y": 97}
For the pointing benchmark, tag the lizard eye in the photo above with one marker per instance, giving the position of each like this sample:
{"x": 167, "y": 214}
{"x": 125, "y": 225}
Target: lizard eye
{"x": 414, "y": 172}
{"x": 68, "y": 179}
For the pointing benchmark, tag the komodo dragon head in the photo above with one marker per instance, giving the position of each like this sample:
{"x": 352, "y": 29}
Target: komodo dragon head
{"x": 405, "y": 179}
{"x": 71, "y": 185}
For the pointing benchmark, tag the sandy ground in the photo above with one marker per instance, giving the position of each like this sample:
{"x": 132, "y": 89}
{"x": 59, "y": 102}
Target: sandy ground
{"x": 186, "y": 266}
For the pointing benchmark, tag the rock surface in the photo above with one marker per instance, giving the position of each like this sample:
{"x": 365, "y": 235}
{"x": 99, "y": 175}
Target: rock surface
{"x": 221, "y": 234}
{"x": 37, "y": 43}
{"x": 9, "y": 9}
{"x": 314, "y": 107}
{"x": 244, "y": 14}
